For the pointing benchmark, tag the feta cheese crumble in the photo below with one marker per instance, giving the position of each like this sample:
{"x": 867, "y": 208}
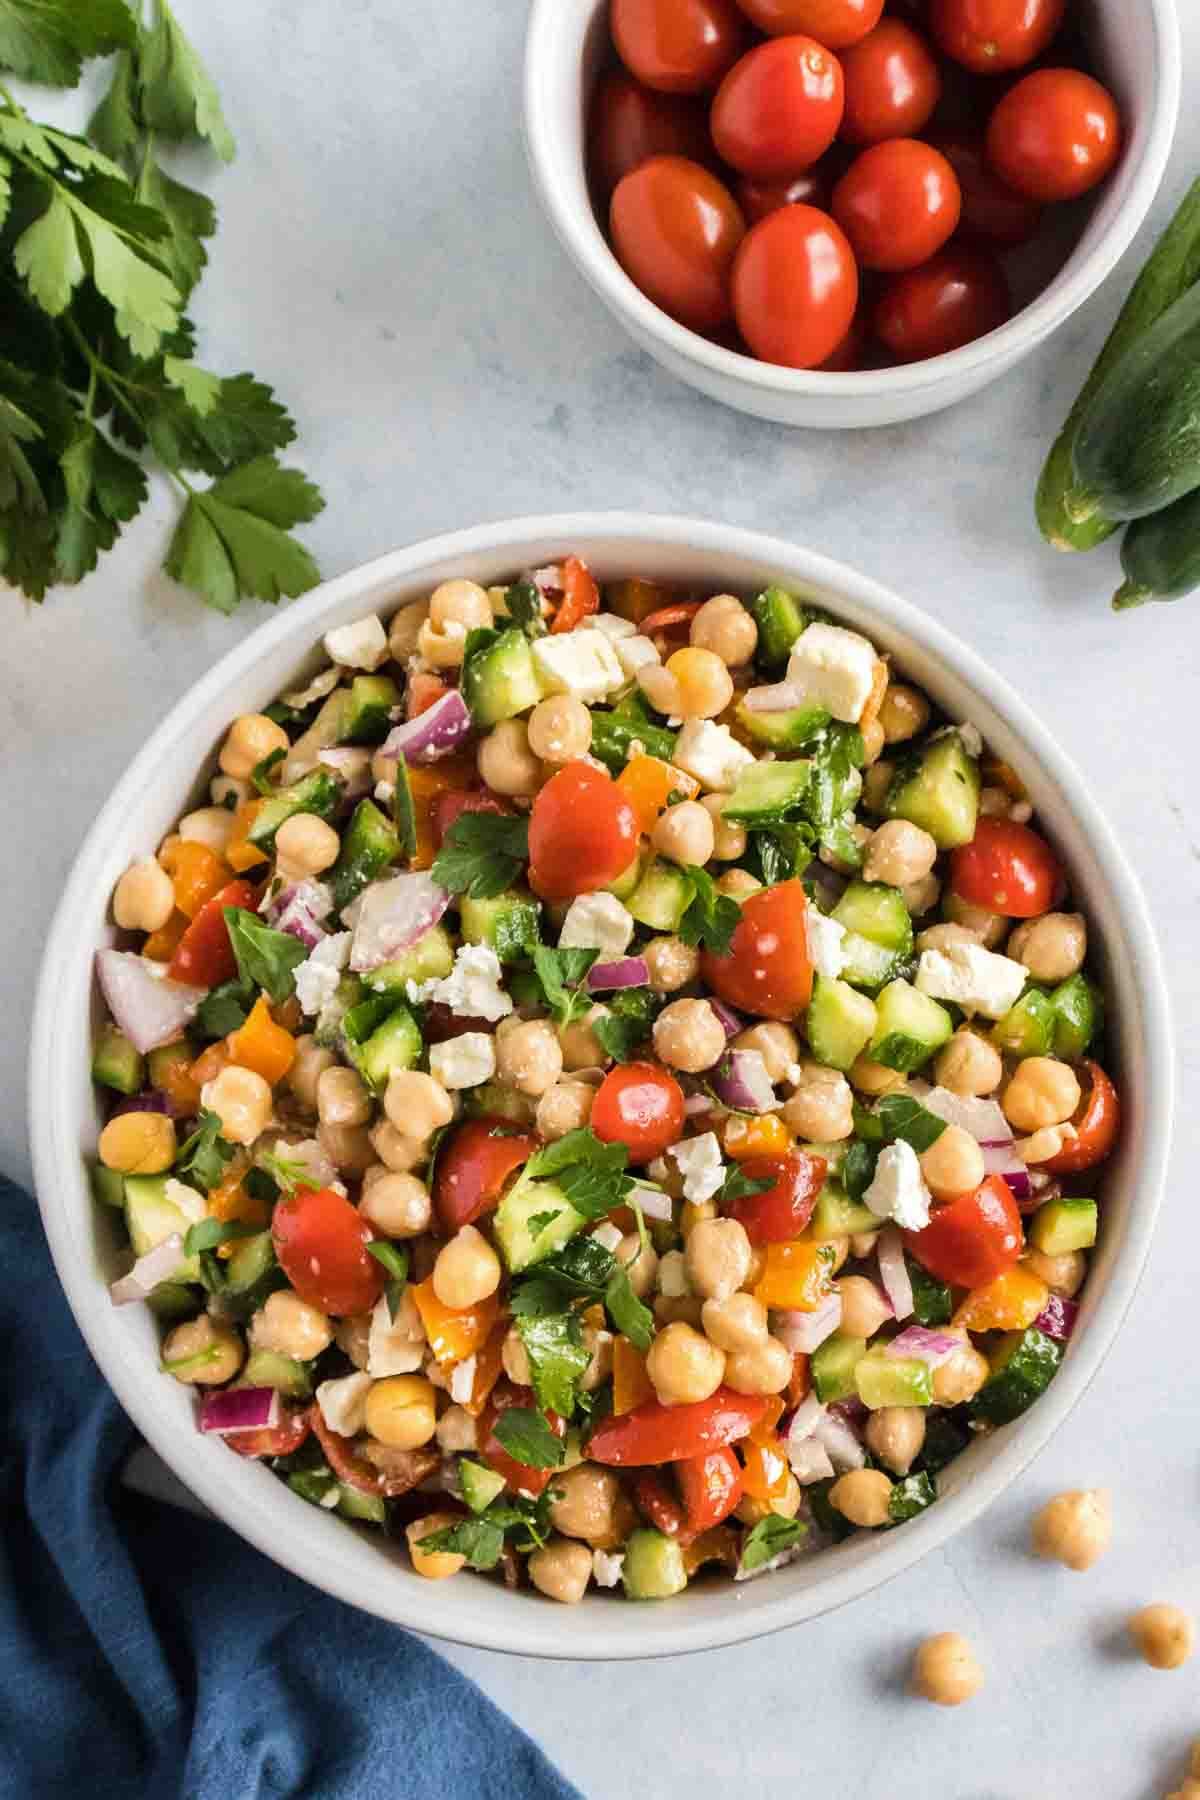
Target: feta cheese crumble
{"x": 608, "y": 1234}
{"x": 192, "y": 1205}
{"x": 343, "y": 1403}
{"x": 976, "y": 979}
{"x": 613, "y": 626}
{"x": 712, "y": 754}
{"x": 833, "y": 668}
{"x": 607, "y": 1566}
{"x": 825, "y": 947}
{"x": 472, "y": 990}
{"x": 700, "y": 1164}
{"x": 392, "y": 1349}
{"x": 635, "y": 653}
{"x": 363, "y": 645}
{"x": 597, "y": 922}
{"x": 463, "y": 1062}
{"x": 318, "y": 975}
{"x": 582, "y": 663}
{"x": 898, "y": 1189}
{"x": 462, "y": 1381}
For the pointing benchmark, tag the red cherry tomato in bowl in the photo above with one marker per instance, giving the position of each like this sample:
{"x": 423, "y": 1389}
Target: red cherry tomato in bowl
{"x": 677, "y": 46}
{"x": 957, "y": 296}
{"x": 639, "y": 1105}
{"x": 990, "y": 36}
{"x": 1096, "y": 1126}
{"x": 1054, "y": 135}
{"x": 795, "y": 287}
{"x": 834, "y": 23}
{"x": 780, "y": 1213}
{"x": 898, "y": 203}
{"x": 321, "y": 1242}
{"x": 971, "y": 1240}
{"x": 758, "y": 199}
{"x": 631, "y": 123}
{"x": 582, "y": 833}
{"x": 1007, "y": 869}
{"x": 676, "y": 230}
{"x": 473, "y": 1168}
{"x": 767, "y": 970}
{"x": 892, "y": 85}
{"x": 778, "y": 109}
{"x": 992, "y": 212}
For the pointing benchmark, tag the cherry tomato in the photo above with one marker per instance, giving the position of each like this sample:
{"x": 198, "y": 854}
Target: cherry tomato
{"x": 898, "y": 203}
{"x": 671, "y": 618}
{"x": 778, "y": 109}
{"x": 581, "y": 596}
{"x": 452, "y": 805}
{"x": 658, "y": 1505}
{"x": 676, "y": 230}
{"x": 473, "y": 1168}
{"x": 992, "y": 212}
{"x": 631, "y": 123}
{"x": 321, "y": 1242}
{"x": 849, "y": 353}
{"x": 1096, "y": 1126}
{"x": 1054, "y": 135}
{"x": 892, "y": 85}
{"x": 795, "y": 287}
{"x": 711, "y": 1486}
{"x": 768, "y": 970}
{"x": 654, "y": 1433}
{"x": 639, "y": 1105}
{"x": 424, "y": 690}
{"x": 971, "y": 1240}
{"x": 989, "y": 36}
{"x": 404, "y": 1470}
{"x": 204, "y": 955}
{"x": 780, "y": 1213}
{"x": 677, "y": 46}
{"x": 518, "y": 1477}
{"x": 274, "y": 1440}
{"x": 959, "y": 295}
{"x": 1007, "y": 869}
{"x": 834, "y": 23}
{"x": 759, "y": 198}
{"x": 582, "y": 833}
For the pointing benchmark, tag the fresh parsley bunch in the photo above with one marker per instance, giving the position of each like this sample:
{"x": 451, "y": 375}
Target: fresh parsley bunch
{"x": 100, "y": 251}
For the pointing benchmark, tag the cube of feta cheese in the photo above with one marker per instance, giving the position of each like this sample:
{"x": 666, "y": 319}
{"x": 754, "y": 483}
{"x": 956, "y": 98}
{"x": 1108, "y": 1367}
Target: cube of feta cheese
{"x": 597, "y": 922}
{"x": 712, "y": 754}
{"x": 472, "y": 989}
{"x": 608, "y": 1234}
{"x": 613, "y": 626}
{"x": 463, "y": 1062}
{"x": 825, "y": 946}
{"x": 582, "y": 663}
{"x": 343, "y": 1403}
{"x": 394, "y": 1346}
{"x": 635, "y": 653}
{"x": 834, "y": 668}
{"x": 974, "y": 978}
{"x": 318, "y": 975}
{"x": 363, "y": 645}
{"x": 700, "y": 1164}
{"x": 191, "y": 1204}
{"x": 462, "y": 1381}
{"x": 607, "y": 1566}
{"x": 898, "y": 1189}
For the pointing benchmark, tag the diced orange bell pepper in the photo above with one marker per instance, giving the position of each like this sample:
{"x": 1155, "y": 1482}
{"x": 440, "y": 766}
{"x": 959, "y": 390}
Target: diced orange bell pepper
{"x": 454, "y": 1333}
{"x": 197, "y": 873}
{"x": 764, "y": 1136}
{"x": 488, "y": 1365}
{"x": 162, "y": 944}
{"x": 636, "y": 600}
{"x": 764, "y": 1431}
{"x": 801, "y": 1381}
{"x": 765, "y": 1470}
{"x": 229, "y": 1199}
{"x": 427, "y": 785}
{"x": 1009, "y": 1303}
{"x": 648, "y": 783}
{"x": 631, "y": 1384}
{"x": 796, "y": 1276}
{"x": 718, "y": 1545}
{"x": 177, "y": 1082}
{"x": 209, "y": 1063}
{"x": 240, "y": 853}
{"x": 262, "y": 1045}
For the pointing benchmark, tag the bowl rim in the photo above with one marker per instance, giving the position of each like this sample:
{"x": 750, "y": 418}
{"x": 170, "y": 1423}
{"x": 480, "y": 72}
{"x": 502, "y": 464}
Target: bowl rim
{"x": 584, "y": 243}
{"x": 57, "y": 1134}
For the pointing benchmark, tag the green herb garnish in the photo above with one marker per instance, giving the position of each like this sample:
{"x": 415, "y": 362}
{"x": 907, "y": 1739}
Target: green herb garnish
{"x": 202, "y": 1157}
{"x": 711, "y": 918}
{"x": 266, "y": 957}
{"x": 769, "y": 1538}
{"x": 208, "y": 1233}
{"x": 482, "y": 855}
{"x": 395, "y": 1260}
{"x": 527, "y": 1437}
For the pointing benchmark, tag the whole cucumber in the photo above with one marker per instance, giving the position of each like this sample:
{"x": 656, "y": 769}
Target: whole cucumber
{"x": 1161, "y": 555}
{"x": 1172, "y": 268}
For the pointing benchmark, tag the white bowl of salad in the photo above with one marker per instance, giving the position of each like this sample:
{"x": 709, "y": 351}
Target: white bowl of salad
{"x": 600, "y": 1061}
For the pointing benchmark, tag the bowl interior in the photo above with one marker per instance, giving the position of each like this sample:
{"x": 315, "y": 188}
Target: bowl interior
{"x": 360, "y": 1566}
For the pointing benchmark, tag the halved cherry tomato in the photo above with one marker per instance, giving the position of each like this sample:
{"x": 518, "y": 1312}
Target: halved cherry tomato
{"x": 473, "y": 1168}
{"x": 990, "y": 36}
{"x": 583, "y": 833}
{"x": 757, "y": 199}
{"x": 992, "y": 212}
{"x": 1096, "y": 1127}
{"x": 205, "y": 956}
{"x": 657, "y": 1504}
{"x": 959, "y": 295}
{"x": 781, "y": 1212}
{"x": 1007, "y": 869}
{"x": 711, "y": 1486}
{"x": 274, "y": 1440}
{"x": 835, "y": 23}
{"x": 767, "y": 971}
{"x": 1009, "y": 1303}
{"x": 1054, "y": 135}
{"x": 409, "y": 1466}
{"x": 631, "y": 123}
{"x": 518, "y": 1476}
{"x": 795, "y": 287}
{"x": 449, "y": 807}
{"x": 778, "y": 109}
{"x": 675, "y": 230}
{"x": 424, "y": 690}
{"x": 898, "y": 203}
{"x": 639, "y": 1105}
{"x": 581, "y": 596}
{"x": 892, "y": 85}
{"x": 655, "y": 1433}
{"x": 677, "y": 46}
{"x": 321, "y": 1242}
{"x": 973, "y": 1239}
{"x": 669, "y": 618}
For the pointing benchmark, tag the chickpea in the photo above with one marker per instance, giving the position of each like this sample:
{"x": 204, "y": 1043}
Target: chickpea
{"x": 862, "y": 1496}
{"x": 1062, "y": 1274}
{"x": 289, "y": 1326}
{"x": 968, "y": 1064}
{"x": 138, "y": 1143}
{"x": 456, "y": 1431}
{"x": 311, "y": 1062}
{"x": 729, "y": 838}
{"x": 397, "y": 1205}
{"x": 860, "y": 1245}
{"x": 864, "y": 1308}
{"x": 822, "y": 1106}
{"x": 684, "y": 834}
{"x": 567, "y": 1106}
{"x": 695, "y": 1212}
{"x": 528, "y": 1055}
{"x": 705, "y": 684}
{"x": 765, "y": 1368}
{"x": 1043, "y": 1091}
{"x": 737, "y": 884}
{"x": 462, "y": 603}
{"x": 561, "y": 1570}
{"x": 581, "y": 1048}
{"x": 467, "y": 1270}
{"x": 672, "y": 964}
{"x": 251, "y": 738}
{"x": 737, "y": 1323}
{"x": 725, "y": 627}
{"x": 962, "y": 1375}
{"x": 1165, "y": 1635}
{"x": 661, "y": 689}
{"x": 895, "y": 1435}
{"x": 899, "y": 853}
{"x": 873, "y": 739}
{"x": 947, "y": 1670}
{"x": 348, "y": 1147}
{"x": 874, "y": 1078}
{"x": 514, "y": 1358}
{"x": 672, "y": 1274}
{"x": 641, "y": 1263}
{"x": 784, "y": 1506}
{"x": 241, "y": 1100}
{"x": 777, "y": 1044}
{"x": 560, "y": 729}
{"x": 683, "y": 1366}
{"x": 876, "y": 782}
{"x": 681, "y": 1309}
{"x": 402, "y": 1411}
{"x": 688, "y": 1035}
{"x": 342, "y": 1097}
{"x": 920, "y": 897}
{"x": 1074, "y": 1529}
{"x": 442, "y": 647}
{"x": 395, "y": 1149}
{"x": 204, "y": 1352}
{"x": 417, "y": 1106}
{"x": 953, "y": 1164}
{"x": 229, "y": 794}
{"x": 599, "y": 1344}
{"x": 717, "y": 1258}
{"x": 144, "y": 898}
{"x": 987, "y": 928}
{"x": 306, "y": 845}
{"x": 904, "y": 713}
{"x": 1052, "y": 947}
{"x": 586, "y": 1503}
{"x": 353, "y": 1338}
{"x": 434, "y": 1565}
{"x": 506, "y": 761}
{"x": 405, "y": 630}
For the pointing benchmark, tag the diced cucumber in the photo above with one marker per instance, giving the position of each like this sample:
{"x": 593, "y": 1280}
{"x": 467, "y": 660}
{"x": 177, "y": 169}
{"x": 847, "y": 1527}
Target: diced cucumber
{"x": 792, "y": 729}
{"x": 1078, "y": 1008}
{"x": 499, "y": 679}
{"x": 836, "y": 1215}
{"x": 150, "y": 1218}
{"x": 766, "y": 792}
{"x": 313, "y": 1485}
{"x": 938, "y": 789}
{"x": 945, "y": 1439}
{"x": 626, "y": 881}
{"x": 933, "y": 1303}
{"x": 1027, "y": 1029}
{"x": 1023, "y": 1367}
{"x": 108, "y": 1186}
{"x": 1064, "y": 1225}
{"x": 347, "y": 995}
{"x": 367, "y": 717}
{"x": 480, "y": 1486}
{"x": 520, "y": 1245}
{"x": 496, "y": 1101}
{"x": 910, "y": 1497}
{"x": 868, "y": 965}
{"x": 430, "y": 959}
{"x": 396, "y": 1044}
{"x": 884, "y": 1380}
{"x": 613, "y": 734}
{"x": 653, "y": 1567}
{"x": 839, "y": 1022}
{"x": 877, "y": 912}
{"x": 507, "y": 923}
{"x": 369, "y": 1509}
{"x": 370, "y": 844}
{"x": 780, "y": 619}
{"x": 833, "y": 1365}
{"x": 171, "y": 1300}
{"x": 267, "y": 1368}
{"x": 909, "y": 1028}
{"x": 249, "y": 1260}
{"x": 162, "y": 1063}
{"x": 115, "y": 1062}
{"x": 661, "y": 897}
{"x": 317, "y": 793}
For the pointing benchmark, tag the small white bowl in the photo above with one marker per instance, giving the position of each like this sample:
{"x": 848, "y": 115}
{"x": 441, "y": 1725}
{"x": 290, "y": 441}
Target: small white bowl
{"x": 166, "y": 775}
{"x": 1137, "y": 50}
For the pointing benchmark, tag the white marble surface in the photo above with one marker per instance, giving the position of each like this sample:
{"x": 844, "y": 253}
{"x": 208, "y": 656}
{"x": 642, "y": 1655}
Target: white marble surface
{"x": 382, "y": 258}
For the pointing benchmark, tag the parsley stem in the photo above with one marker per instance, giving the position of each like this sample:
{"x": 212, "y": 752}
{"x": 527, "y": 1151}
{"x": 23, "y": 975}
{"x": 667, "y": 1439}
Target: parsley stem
{"x": 9, "y": 101}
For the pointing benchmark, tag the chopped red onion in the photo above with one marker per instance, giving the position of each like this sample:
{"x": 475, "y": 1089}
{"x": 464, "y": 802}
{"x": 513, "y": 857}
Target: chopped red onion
{"x": 840, "y": 1442}
{"x": 782, "y": 696}
{"x": 391, "y": 915}
{"x": 731, "y": 1021}
{"x": 547, "y": 580}
{"x": 983, "y": 1119}
{"x": 240, "y": 1409}
{"x": 437, "y": 732}
{"x": 299, "y": 910}
{"x": 1000, "y": 1159}
{"x": 924, "y": 1345}
{"x": 893, "y": 1272}
{"x": 807, "y": 1331}
{"x": 149, "y": 1271}
{"x": 354, "y": 767}
{"x": 150, "y": 1009}
{"x": 829, "y": 884}
{"x": 740, "y": 1080}
{"x": 697, "y": 1103}
{"x": 1058, "y": 1317}
{"x": 809, "y": 1461}
{"x": 653, "y": 1202}
{"x": 626, "y": 972}
{"x": 804, "y": 1421}
{"x": 852, "y": 1410}
{"x": 150, "y": 1101}
{"x": 318, "y": 687}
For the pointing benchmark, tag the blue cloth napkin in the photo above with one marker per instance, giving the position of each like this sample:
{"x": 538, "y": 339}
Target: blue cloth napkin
{"x": 147, "y": 1653}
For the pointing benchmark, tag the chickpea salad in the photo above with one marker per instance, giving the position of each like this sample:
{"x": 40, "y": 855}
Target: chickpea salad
{"x": 609, "y": 1089}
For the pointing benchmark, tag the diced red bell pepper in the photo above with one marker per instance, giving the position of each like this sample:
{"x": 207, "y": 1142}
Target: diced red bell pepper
{"x": 656, "y": 1502}
{"x": 784, "y": 1210}
{"x": 654, "y": 1433}
{"x": 581, "y": 596}
{"x": 711, "y": 1486}
{"x": 473, "y": 1166}
{"x": 205, "y": 956}
{"x": 274, "y": 1440}
{"x": 971, "y": 1240}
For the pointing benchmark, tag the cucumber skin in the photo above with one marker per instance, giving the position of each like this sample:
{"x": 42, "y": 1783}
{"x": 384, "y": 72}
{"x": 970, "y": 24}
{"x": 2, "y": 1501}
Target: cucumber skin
{"x": 1172, "y": 268}
{"x": 1161, "y": 555}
